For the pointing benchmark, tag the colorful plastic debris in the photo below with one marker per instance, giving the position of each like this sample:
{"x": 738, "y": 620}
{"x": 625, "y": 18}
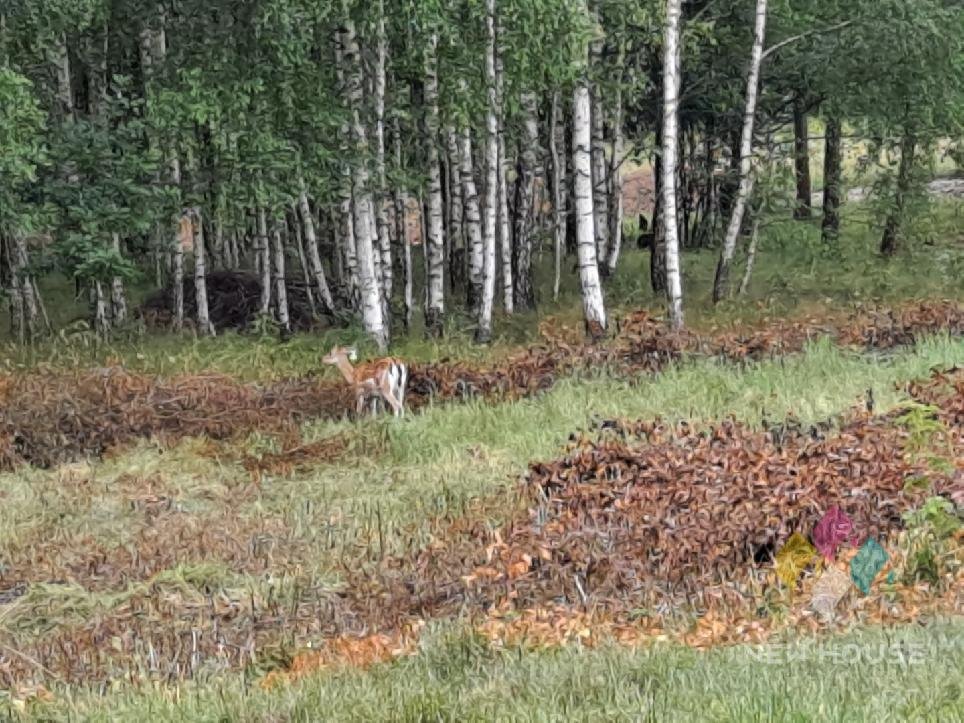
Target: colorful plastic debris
{"x": 793, "y": 558}
{"x": 868, "y": 561}
{"x": 830, "y": 589}
{"x": 834, "y": 529}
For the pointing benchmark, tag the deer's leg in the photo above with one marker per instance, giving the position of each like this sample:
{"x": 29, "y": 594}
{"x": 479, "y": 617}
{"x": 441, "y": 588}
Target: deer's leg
{"x": 388, "y": 393}
{"x": 359, "y": 404}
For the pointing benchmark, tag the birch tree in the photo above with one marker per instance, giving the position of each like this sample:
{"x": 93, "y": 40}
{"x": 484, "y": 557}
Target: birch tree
{"x": 263, "y": 260}
{"x": 205, "y": 326}
{"x": 473, "y": 222}
{"x": 435, "y": 226}
{"x": 364, "y": 231}
{"x": 524, "y": 294}
{"x": 558, "y": 210}
{"x": 401, "y": 230}
{"x": 594, "y": 309}
{"x": 381, "y": 195}
{"x": 600, "y": 181}
{"x": 721, "y": 282}
{"x": 505, "y": 239}
{"x": 454, "y": 230}
{"x": 345, "y": 239}
{"x": 615, "y": 173}
{"x": 281, "y": 289}
{"x": 671, "y": 84}
{"x": 21, "y": 152}
{"x": 314, "y": 258}
{"x": 492, "y": 171}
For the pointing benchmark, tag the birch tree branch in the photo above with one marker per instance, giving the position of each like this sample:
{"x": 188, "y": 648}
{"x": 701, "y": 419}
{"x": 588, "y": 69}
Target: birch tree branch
{"x": 817, "y": 31}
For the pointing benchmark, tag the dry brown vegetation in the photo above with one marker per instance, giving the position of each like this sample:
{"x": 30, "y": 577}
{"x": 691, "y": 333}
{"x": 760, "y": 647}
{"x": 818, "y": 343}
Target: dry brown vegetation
{"x": 642, "y": 514}
{"x": 51, "y": 417}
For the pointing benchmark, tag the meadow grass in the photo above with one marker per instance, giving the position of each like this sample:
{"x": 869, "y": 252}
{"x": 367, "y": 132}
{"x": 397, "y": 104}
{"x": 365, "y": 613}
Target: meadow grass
{"x": 908, "y": 673}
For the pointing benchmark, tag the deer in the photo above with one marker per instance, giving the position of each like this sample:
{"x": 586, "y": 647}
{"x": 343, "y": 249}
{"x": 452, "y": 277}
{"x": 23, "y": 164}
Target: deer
{"x": 382, "y": 378}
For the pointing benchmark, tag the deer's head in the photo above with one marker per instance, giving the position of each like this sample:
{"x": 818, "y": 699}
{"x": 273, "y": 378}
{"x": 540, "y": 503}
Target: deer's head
{"x": 339, "y": 354}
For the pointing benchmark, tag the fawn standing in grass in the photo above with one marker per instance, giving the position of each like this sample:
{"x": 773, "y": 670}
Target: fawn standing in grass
{"x": 382, "y": 378}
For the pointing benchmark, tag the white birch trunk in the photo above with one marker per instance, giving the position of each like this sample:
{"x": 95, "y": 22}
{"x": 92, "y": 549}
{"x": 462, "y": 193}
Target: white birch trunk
{"x": 27, "y": 299}
{"x": 600, "y": 183}
{"x": 369, "y": 283}
{"x": 221, "y": 256}
{"x": 750, "y": 257}
{"x": 435, "y": 248}
{"x": 671, "y": 83}
{"x": 177, "y": 271}
{"x": 473, "y": 223}
{"x": 101, "y": 318}
{"x": 558, "y": 212}
{"x": 151, "y": 50}
{"x": 61, "y": 63}
{"x": 204, "y": 324}
{"x": 456, "y": 215}
{"x": 346, "y": 237}
{"x": 118, "y": 298}
{"x": 423, "y": 228}
{"x": 721, "y": 287}
{"x": 303, "y": 262}
{"x": 524, "y": 294}
{"x": 263, "y": 261}
{"x": 280, "y": 287}
{"x": 376, "y": 251}
{"x": 600, "y": 198}
{"x": 492, "y": 171}
{"x": 505, "y": 238}
{"x": 40, "y": 305}
{"x": 381, "y": 193}
{"x": 345, "y": 232}
{"x": 311, "y": 240}
{"x": 616, "y": 181}
{"x": 401, "y": 229}
{"x": 592, "y": 298}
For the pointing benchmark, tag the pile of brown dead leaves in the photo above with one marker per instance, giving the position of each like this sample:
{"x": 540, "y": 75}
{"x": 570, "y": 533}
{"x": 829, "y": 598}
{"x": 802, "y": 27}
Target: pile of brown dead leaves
{"x": 643, "y": 513}
{"x": 49, "y": 418}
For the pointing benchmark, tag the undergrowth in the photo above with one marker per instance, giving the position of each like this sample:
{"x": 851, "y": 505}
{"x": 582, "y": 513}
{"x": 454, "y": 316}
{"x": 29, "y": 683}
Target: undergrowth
{"x": 794, "y": 273}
